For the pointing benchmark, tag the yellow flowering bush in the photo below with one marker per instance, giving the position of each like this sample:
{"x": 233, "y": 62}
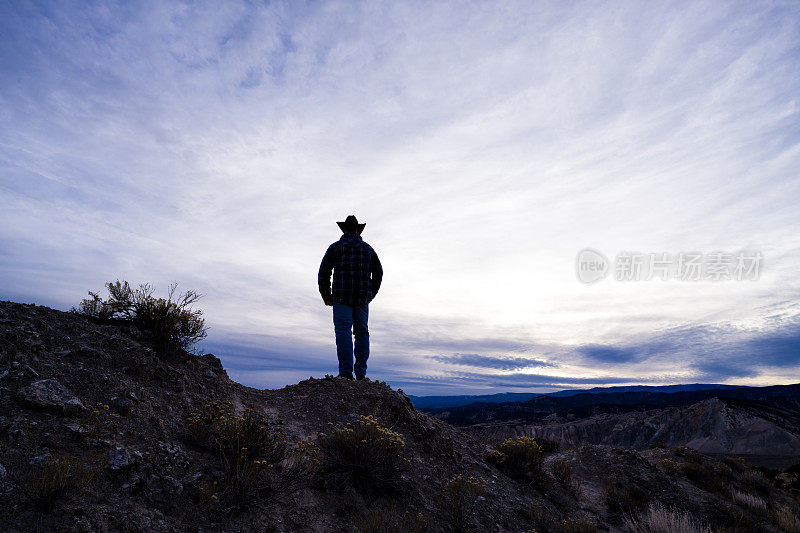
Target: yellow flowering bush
{"x": 249, "y": 449}
{"x": 99, "y": 421}
{"x": 220, "y": 428}
{"x": 459, "y": 499}
{"x": 365, "y": 453}
{"x": 520, "y": 456}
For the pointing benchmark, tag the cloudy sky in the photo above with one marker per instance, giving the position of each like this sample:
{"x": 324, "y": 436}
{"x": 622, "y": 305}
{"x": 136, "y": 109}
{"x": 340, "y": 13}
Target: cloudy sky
{"x": 485, "y": 145}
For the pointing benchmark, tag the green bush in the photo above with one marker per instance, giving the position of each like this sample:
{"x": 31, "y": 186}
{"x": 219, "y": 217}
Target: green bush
{"x": 364, "y": 453}
{"x": 170, "y": 322}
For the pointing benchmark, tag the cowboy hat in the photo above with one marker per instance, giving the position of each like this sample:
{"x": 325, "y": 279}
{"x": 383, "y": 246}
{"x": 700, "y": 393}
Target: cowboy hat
{"x": 351, "y": 224}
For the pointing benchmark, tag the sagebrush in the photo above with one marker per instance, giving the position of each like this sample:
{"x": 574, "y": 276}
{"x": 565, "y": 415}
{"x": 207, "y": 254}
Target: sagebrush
{"x": 520, "y": 456}
{"x": 364, "y": 453}
{"x": 459, "y": 499}
{"x": 251, "y": 451}
{"x": 171, "y": 323}
{"x": 393, "y": 518}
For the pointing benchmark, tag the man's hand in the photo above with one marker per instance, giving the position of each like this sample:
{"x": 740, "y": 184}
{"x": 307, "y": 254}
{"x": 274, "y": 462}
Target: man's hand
{"x": 327, "y": 301}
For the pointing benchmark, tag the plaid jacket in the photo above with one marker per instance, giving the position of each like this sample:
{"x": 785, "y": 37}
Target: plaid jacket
{"x": 357, "y": 272}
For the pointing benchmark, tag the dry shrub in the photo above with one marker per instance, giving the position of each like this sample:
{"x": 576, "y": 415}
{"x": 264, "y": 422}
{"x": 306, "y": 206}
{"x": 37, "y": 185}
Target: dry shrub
{"x": 723, "y": 470}
{"x": 669, "y": 466}
{"x": 546, "y": 519}
{"x": 521, "y": 456}
{"x": 562, "y": 473}
{"x": 391, "y": 519}
{"x": 786, "y": 520}
{"x": 249, "y": 449}
{"x": 749, "y": 501}
{"x": 99, "y": 422}
{"x": 219, "y": 428}
{"x": 228, "y": 433}
{"x": 541, "y": 516}
{"x": 756, "y": 481}
{"x": 577, "y": 525}
{"x": 95, "y": 307}
{"x": 363, "y": 453}
{"x": 625, "y": 499}
{"x": 170, "y": 322}
{"x": 703, "y": 476}
{"x": 689, "y": 454}
{"x": 459, "y": 499}
{"x": 658, "y": 519}
{"x": 547, "y": 445}
{"x": 736, "y": 464}
{"x": 59, "y": 477}
{"x": 208, "y": 496}
{"x": 790, "y": 480}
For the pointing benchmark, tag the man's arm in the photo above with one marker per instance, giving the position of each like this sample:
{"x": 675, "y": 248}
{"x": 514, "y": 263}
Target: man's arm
{"x": 324, "y": 274}
{"x": 377, "y": 273}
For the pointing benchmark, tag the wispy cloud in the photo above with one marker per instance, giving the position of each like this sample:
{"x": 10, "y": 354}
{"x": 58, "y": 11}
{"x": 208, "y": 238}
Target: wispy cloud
{"x": 484, "y": 144}
{"x": 488, "y": 361}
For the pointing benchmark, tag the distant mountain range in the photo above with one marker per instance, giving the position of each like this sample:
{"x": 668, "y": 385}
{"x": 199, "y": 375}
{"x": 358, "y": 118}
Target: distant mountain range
{"x": 760, "y": 422}
{"x": 584, "y": 404}
{"x": 432, "y": 402}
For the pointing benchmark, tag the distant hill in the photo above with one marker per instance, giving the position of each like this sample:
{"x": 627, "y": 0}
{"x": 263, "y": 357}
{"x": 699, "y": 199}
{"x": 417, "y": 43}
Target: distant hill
{"x": 434, "y": 402}
{"x": 761, "y": 422}
{"x": 576, "y": 406}
{"x": 711, "y": 426}
{"x": 650, "y": 388}
{"x": 423, "y": 402}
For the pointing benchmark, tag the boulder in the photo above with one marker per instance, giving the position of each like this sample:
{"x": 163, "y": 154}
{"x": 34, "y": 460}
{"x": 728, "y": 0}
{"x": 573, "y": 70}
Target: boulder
{"x": 119, "y": 459}
{"x": 50, "y": 395}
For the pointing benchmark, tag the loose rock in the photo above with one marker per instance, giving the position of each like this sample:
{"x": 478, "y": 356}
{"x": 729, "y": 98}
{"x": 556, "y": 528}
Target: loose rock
{"x": 50, "y": 395}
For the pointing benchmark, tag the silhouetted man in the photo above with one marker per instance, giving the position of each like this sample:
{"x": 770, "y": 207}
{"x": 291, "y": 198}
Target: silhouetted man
{"x": 357, "y": 275}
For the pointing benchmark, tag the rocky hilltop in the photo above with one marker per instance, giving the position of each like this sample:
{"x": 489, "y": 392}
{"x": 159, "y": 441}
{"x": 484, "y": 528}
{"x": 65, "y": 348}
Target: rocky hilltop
{"x": 100, "y": 433}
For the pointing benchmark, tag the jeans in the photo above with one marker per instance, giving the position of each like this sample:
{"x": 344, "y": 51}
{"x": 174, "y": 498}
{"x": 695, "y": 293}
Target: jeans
{"x": 346, "y": 317}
